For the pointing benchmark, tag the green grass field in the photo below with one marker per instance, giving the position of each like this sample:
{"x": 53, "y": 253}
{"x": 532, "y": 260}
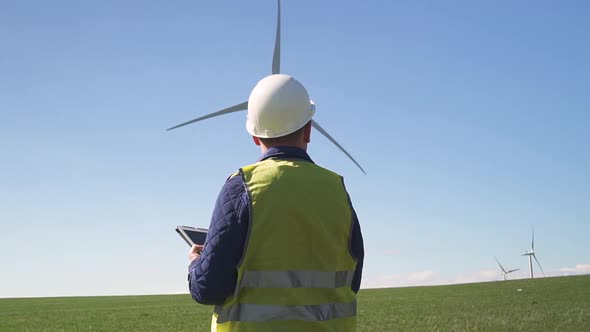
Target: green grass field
{"x": 549, "y": 304}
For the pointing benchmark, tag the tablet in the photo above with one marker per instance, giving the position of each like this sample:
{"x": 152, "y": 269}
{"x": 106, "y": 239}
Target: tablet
{"x": 192, "y": 235}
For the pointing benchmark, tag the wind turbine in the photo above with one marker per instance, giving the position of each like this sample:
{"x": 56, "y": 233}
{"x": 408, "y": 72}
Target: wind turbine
{"x": 531, "y": 254}
{"x": 276, "y": 66}
{"x": 504, "y": 272}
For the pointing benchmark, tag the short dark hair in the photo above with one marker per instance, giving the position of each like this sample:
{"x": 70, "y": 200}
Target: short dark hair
{"x": 283, "y": 140}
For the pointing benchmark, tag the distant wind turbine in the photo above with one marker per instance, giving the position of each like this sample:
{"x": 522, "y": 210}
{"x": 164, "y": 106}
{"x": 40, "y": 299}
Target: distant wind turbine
{"x": 531, "y": 254}
{"x": 504, "y": 272}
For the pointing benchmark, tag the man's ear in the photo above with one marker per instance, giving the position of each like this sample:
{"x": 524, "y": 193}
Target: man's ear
{"x": 256, "y": 140}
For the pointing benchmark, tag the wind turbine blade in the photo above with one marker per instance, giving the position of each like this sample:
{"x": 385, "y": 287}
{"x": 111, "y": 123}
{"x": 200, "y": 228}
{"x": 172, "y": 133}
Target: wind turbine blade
{"x": 236, "y": 108}
{"x": 533, "y": 243}
{"x": 497, "y": 261}
{"x": 276, "y": 58}
{"x": 512, "y": 270}
{"x": 536, "y": 260}
{"x": 323, "y": 132}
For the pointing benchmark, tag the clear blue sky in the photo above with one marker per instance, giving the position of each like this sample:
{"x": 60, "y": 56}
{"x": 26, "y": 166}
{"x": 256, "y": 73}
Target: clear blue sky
{"x": 470, "y": 117}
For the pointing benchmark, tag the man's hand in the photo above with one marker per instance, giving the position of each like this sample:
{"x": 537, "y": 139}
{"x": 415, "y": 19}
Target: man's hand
{"x": 195, "y": 252}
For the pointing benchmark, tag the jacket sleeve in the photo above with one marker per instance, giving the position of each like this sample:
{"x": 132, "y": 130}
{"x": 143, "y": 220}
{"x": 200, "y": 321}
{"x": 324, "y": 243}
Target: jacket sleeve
{"x": 358, "y": 251}
{"x": 212, "y": 277}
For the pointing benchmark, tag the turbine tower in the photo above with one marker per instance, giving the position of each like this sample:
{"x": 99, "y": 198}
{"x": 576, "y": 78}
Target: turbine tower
{"x": 276, "y": 69}
{"x": 531, "y": 254}
{"x": 504, "y": 272}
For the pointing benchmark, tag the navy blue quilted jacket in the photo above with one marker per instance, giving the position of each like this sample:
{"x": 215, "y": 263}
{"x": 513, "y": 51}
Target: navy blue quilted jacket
{"x": 213, "y": 276}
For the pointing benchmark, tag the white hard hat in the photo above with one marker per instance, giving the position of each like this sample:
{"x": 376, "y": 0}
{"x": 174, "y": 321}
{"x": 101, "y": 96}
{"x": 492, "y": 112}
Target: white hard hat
{"x": 279, "y": 105}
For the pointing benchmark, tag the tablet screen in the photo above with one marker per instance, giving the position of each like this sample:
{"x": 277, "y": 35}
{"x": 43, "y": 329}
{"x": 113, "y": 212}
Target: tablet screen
{"x": 196, "y": 237}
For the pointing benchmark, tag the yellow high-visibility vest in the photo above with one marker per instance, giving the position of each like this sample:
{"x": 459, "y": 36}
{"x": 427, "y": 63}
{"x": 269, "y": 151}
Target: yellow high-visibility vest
{"x": 297, "y": 269}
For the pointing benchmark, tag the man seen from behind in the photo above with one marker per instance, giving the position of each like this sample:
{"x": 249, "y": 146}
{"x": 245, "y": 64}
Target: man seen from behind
{"x": 284, "y": 250}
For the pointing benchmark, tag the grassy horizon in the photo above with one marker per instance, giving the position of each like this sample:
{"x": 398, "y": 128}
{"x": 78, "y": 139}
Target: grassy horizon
{"x": 545, "y": 304}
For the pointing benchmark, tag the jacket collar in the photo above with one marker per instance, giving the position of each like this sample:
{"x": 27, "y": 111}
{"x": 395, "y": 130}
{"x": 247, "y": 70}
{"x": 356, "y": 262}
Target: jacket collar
{"x": 285, "y": 152}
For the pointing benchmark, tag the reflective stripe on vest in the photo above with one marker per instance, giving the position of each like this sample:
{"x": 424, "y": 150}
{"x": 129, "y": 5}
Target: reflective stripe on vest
{"x": 290, "y": 279}
{"x": 296, "y": 279}
{"x": 265, "y": 312}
